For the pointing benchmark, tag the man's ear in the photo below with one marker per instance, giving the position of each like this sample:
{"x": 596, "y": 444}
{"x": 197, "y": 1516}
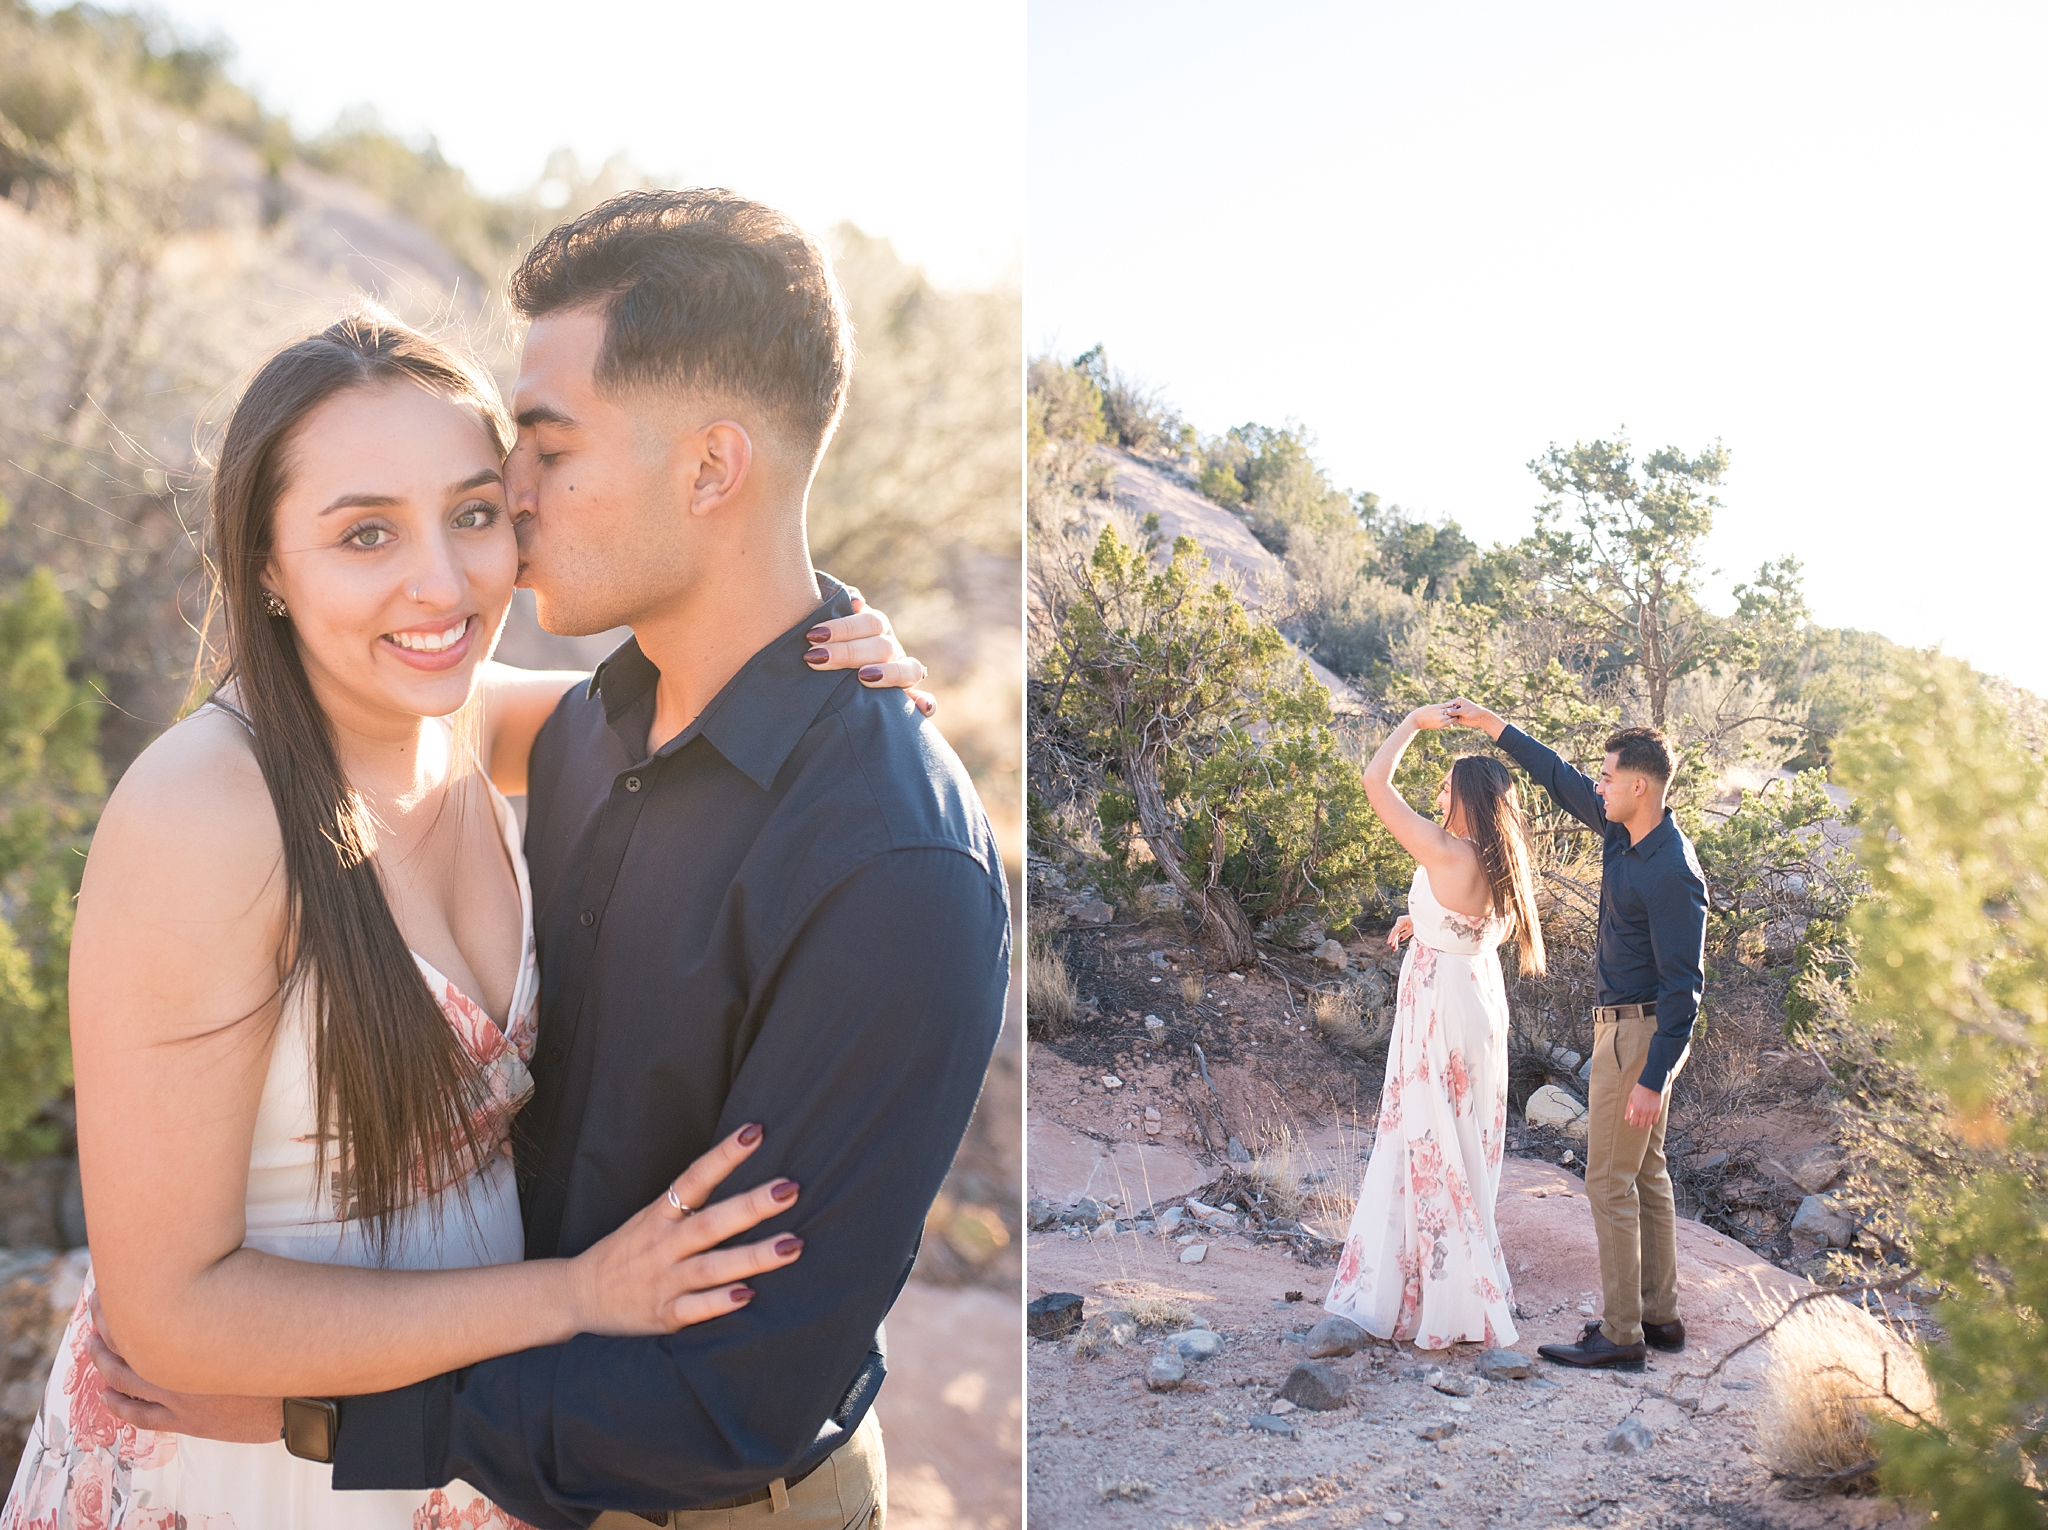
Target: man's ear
{"x": 715, "y": 466}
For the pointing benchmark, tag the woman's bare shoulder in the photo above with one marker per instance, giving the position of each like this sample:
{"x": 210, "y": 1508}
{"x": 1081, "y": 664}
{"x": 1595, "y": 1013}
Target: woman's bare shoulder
{"x": 193, "y": 807}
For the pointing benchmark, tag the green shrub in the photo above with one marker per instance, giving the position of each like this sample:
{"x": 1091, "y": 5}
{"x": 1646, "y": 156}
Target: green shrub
{"x": 1953, "y": 982}
{"x": 1215, "y": 746}
{"x": 50, "y": 788}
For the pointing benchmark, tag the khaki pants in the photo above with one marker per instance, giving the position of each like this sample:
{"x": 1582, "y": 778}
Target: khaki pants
{"x": 1629, "y": 1184}
{"x": 848, "y": 1492}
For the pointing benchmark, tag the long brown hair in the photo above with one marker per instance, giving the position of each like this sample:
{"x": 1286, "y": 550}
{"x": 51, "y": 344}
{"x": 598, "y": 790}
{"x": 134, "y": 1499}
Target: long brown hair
{"x": 1483, "y": 796}
{"x": 394, "y": 1087}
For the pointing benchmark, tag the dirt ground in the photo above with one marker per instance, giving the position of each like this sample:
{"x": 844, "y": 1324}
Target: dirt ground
{"x": 1246, "y": 1058}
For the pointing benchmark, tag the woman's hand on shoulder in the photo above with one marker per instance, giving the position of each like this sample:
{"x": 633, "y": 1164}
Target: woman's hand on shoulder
{"x": 866, "y": 641}
{"x": 664, "y": 1269}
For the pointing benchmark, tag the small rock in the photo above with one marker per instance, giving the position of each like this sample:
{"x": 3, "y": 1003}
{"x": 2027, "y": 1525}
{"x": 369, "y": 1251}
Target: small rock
{"x": 1708, "y": 1164}
{"x": 1054, "y": 1315}
{"x": 1817, "y": 1168}
{"x": 1157, "y": 959}
{"x": 1458, "y": 1384}
{"x": 1196, "y": 1344}
{"x": 1394, "y": 1517}
{"x": 1271, "y": 1423}
{"x": 1503, "y": 1365}
{"x": 1820, "y": 1221}
{"x": 1315, "y": 1385}
{"x": 1237, "y": 1152}
{"x": 1632, "y": 1438}
{"x": 1087, "y": 1211}
{"x": 1094, "y": 913}
{"x": 1116, "y": 1327}
{"x": 1586, "y": 1071}
{"x": 1151, "y": 1112}
{"x": 1111, "y": 1081}
{"x": 1281, "y": 1408}
{"x": 1151, "y": 1128}
{"x": 1334, "y": 1337}
{"x": 1333, "y": 956}
{"x": 1237, "y": 977}
{"x": 1171, "y": 1218}
{"x": 1203, "y": 1208}
{"x": 1443, "y": 1429}
{"x": 1040, "y": 1213}
{"x": 1555, "y": 1108}
{"x": 1194, "y": 1253}
{"x": 1154, "y": 1027}
{"x": 1166, "y": 1371}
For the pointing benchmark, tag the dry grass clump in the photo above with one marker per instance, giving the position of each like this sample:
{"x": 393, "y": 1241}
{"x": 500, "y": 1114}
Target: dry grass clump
{"x": 1162, "y": 1316}
{"x": 1297, "y": 1181}
{"x": 1128, "y": 1490}
{"x": 1832, "y": 1368}
{"x": 1051, "y": 999}
{"x": 1192, "y": 987}
{"x": 1344, "y": 1019}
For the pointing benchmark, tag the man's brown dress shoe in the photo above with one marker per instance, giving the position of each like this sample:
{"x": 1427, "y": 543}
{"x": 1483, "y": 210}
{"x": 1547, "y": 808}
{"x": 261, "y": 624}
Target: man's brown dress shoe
{"x": 1595, "y": 1351}
{"x": 1669, "y": 1337}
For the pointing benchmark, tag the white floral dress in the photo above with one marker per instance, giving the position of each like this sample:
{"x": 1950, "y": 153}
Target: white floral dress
{"x": 84, "y": 1469}
{"x": 1422, "y": 1259}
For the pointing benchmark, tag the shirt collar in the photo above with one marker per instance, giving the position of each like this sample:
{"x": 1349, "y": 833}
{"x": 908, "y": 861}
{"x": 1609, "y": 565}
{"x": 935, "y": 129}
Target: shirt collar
{"x": 1655, "y": 840}
{"x": 755, "y": 720}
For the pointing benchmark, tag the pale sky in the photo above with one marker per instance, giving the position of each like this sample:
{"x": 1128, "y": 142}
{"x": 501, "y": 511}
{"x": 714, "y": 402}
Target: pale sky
{"x": 906, "y": 116}
{"x": 1443, "y": 236}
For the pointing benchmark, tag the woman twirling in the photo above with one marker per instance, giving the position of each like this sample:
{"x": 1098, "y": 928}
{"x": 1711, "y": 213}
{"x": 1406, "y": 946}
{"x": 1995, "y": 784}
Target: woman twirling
{"x": 1422, "y": 1260}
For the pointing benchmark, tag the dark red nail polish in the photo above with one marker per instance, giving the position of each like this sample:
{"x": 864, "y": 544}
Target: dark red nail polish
{"x": 741, "y": 1295}
{"x": 750, "y": 1134}
{"x": 784, "y": 1191}
{"x": 819, "y": 635}
{"x": 871, "y": 672}
{"x": 784, "y": 1247}
{"x": 817, "y": 655}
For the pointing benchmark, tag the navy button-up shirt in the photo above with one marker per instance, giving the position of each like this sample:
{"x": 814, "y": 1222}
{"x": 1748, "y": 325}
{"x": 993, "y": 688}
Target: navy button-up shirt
{"x": 793, "y": 913}
{"x": 1653, "y": 908}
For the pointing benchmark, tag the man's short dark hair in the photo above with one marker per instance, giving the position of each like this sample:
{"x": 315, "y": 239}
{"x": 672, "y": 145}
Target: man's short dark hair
{"x": 702, "y": 290}
{"x": 1643, "y": 751}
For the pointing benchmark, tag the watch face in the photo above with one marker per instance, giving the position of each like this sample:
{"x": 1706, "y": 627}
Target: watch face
{"x": 309, "y": 1427}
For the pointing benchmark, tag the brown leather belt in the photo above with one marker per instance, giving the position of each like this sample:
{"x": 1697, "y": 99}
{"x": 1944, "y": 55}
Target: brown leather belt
{"x": 1624, "y": 1011}
{"x": 759, "y": 1495}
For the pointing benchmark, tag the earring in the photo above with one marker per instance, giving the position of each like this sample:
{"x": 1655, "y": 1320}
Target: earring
{"x": 273, "y": 604}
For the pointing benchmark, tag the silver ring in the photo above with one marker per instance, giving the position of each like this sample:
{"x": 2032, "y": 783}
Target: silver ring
{"x": 673, "y": 1200}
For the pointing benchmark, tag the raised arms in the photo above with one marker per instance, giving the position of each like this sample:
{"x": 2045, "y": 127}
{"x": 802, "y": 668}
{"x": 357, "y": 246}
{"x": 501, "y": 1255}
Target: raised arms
{"x": 1454, "y": 872}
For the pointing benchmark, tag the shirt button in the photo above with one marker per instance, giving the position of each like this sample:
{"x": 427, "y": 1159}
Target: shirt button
{"x": 587, "y": 919}
{"x": 632, "y": 783}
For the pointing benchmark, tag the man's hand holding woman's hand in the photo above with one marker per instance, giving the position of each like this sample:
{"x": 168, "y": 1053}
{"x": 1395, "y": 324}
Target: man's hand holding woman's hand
{"x": 664, "y": 1270}
{"x": 1470, "y": 714}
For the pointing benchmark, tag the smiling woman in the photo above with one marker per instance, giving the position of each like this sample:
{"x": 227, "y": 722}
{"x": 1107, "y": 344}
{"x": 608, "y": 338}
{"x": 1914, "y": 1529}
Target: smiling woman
{"x": 283, "y": 1080}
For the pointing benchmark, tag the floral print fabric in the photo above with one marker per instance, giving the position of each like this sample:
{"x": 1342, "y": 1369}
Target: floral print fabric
{"x": 1422, "y": 1258}
{"x": 84, "y": 1469}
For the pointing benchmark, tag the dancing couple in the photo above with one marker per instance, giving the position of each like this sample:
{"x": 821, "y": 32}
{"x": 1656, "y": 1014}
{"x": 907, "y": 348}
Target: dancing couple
{"x": 1422, "y": 1260}
{"x": 401, "y": 1135}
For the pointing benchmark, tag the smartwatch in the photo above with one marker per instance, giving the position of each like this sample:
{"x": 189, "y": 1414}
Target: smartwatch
{"x": 310, "y": 1425}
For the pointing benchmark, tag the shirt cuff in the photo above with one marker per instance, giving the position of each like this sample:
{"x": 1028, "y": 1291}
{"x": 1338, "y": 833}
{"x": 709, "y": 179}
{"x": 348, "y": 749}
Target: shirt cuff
{"x": 1666, "y": 1053}
{"x": 382, "y": 1440}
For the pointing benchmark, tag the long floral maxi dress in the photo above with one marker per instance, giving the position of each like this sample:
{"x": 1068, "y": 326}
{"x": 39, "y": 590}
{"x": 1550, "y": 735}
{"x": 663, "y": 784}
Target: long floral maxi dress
{"x": 1422, "y": 1260}
{"x": 84, "y": 1469}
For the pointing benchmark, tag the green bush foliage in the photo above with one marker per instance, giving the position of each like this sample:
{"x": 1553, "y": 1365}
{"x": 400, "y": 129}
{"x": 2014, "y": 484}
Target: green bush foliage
{"x": 1951, "y": 996}
{"x": 1216, "y": 749}
{"x": 50, "y": 790}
